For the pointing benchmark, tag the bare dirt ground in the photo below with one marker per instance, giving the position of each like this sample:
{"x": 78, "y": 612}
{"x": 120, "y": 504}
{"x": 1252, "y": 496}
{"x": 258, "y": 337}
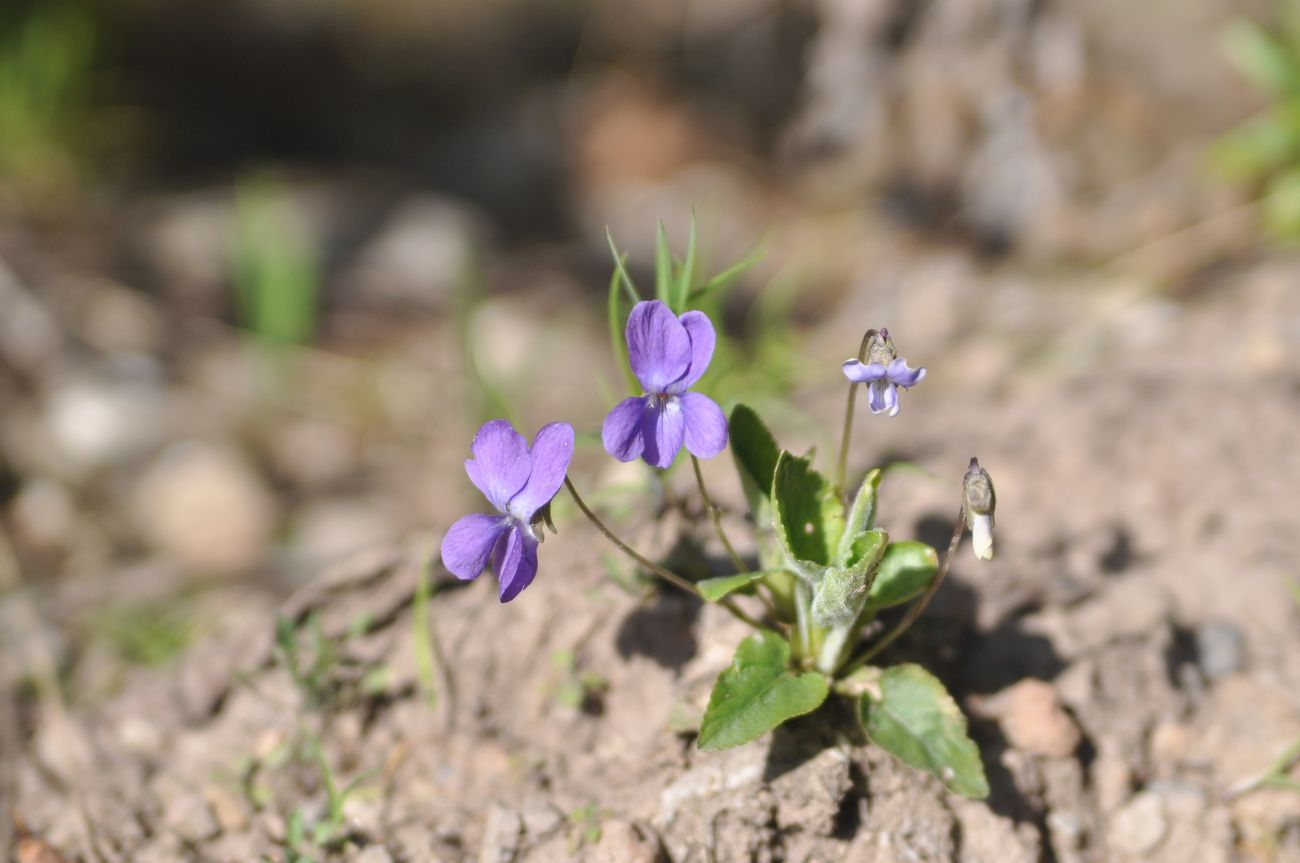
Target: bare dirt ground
{"x": 1131, "y": 655}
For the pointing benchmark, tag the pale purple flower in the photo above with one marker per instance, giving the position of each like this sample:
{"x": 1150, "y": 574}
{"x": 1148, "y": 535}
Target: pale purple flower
{"x": 883, "y": 373}
{"x": 519, "y": 481}
{"x": 667, "y": 355}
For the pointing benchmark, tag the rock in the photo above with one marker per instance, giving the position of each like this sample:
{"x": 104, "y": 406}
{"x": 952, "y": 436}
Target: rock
{"x": 1033, "y": 719}
{"x": 29, "y": 336}
{"x": 541, "y": 818}
{"x": 374, "y": 854}
{"x": 1219, "y": 649}
{"x": 93, "y": 422}
{"x": 312, "y": 452}
{"x": 187, "y": 815}
{"x": 621, "y": 842}
{"x": 501, "y": 835}
{"x": 43, "y": 513}
{"x": 203, "y": 506}
{"x": 1112, "y": 780}
{"x": 1139, "y": 826}
{"x": 329, "y": 530}
{"x": 418, "y": 257}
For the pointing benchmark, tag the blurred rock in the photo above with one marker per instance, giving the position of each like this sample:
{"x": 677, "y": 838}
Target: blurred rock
{"x": 28, "y": 334}
{"x": 311, "y": 452}
{"x": 202, "y": 505}
{"x": 422, "y": 253}
{"x": 116, "y": 319}
{"x": 621, "y": 842}
{"x": 1140, "y": 826}
{"x": 1219, "y": 649}
{"x": 185, "y": 241}
{"x": 96, "y": 421}
{"x": 501, "y": 835}
{"x": 43, "y": 513}
{"x": 327, "y": 530}
{"x": 1033, "y": 719}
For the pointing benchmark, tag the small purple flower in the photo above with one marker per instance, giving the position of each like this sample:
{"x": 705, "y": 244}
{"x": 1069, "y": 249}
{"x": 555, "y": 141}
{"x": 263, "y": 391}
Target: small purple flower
{"x": 883, "y": 373}
{"x": 667, "y": 355}
{"x": 519, "y": 481}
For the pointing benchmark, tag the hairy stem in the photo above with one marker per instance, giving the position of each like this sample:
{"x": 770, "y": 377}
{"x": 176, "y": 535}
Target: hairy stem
{"x": 919, "y": 606}
{"x": 671, "y": 577}
{"x": 715, "y": 515}
{"x": 803, "y": 614}
{"x": 841, "y": 469}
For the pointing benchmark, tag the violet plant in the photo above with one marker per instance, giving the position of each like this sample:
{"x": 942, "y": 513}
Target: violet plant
{"x": 820, "y": 571}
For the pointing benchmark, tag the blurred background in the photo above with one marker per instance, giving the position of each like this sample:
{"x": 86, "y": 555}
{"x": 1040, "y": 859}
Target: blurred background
{"x": 265, "y": 265}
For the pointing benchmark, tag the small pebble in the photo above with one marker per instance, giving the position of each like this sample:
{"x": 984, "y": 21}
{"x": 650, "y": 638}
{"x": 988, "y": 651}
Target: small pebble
{"x": 1139, "y": 826}
{"x": 1219, "y": 649}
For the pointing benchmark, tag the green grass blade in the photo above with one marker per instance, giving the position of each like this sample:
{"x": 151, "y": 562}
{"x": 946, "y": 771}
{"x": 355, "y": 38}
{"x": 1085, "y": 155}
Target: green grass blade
{"x": 663, "y": 268}
{"x": 620, "y": 269}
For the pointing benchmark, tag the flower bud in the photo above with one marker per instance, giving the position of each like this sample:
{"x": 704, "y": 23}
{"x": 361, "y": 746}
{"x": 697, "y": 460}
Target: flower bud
{"x": 880, "y": 347}
{"x": 979, "y": 501}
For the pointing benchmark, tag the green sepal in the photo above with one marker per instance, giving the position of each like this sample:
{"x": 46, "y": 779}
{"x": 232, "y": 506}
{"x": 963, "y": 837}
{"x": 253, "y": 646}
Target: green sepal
{"x": 758, "y": 692}
{"x": 907, "y": 712}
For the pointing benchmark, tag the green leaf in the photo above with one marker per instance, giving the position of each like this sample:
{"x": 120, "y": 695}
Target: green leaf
{"x": 909, "y": 714}
{"x": 906, "y": 570}
{"x": 663, "y": 269}
{"x": 755, "y": 452}
{"x": 714, "y": 589}
{"x": 620, "y": 268}
{"x": 686, "y": 274}
{"x": 758, "y": 692}
{"x": 807, "y": 513}
{"x": 1261, "y": 57}
{"x": 844, "y": 589}
{"x": 617, "y": 329}
{"x": 862, "y": 515}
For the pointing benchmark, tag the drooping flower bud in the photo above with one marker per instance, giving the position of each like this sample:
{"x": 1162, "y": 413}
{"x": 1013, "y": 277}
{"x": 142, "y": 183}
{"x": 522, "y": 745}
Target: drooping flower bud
{"x": 979, "y": 501}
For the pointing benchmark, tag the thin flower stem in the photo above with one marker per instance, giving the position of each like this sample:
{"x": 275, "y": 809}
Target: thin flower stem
{"x": 716, "y": 515}
{"x": 919, "y": 606}
{"x": 842, "y": 468}
{"x": 671, "y": 577}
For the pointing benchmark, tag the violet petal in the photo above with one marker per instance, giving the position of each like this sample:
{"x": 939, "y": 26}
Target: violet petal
{"x": 501, "y": 465}
{"x": 621, "y": 433}
{"x": 703, "y": 339}
{"x": 515, "y": 562}
{"x": 863, "y": 373}
{"x": 664, "y": 430}
{"x": 884, "y": 396}
{"x": 899, "y": 373}
{"x": 550, "y": 455}
{"x": 706, "y": 425}
{"x": 469, "y": 543}
{"x": 658, "y": 348}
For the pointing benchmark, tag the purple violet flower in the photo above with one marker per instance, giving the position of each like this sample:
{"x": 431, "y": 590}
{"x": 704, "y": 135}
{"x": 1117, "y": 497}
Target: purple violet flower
{"x": 519, "y": 481}
{"x": 667, "y": 355}
{"x": 883, "y": 373}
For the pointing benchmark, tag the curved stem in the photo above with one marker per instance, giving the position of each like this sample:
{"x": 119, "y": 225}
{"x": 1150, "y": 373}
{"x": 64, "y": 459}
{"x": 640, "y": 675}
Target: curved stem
{"x": 671, "y": 577}
{"x": 716, "y": 515}
{"x": 842, "y": 468}
{"x": 919, "y": 606}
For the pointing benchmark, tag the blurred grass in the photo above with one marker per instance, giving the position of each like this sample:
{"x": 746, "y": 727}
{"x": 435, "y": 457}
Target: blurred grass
{"x": 277, "y": 282}
{"x": 1264, "y": 151}
{"x": 47, "y": 133}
